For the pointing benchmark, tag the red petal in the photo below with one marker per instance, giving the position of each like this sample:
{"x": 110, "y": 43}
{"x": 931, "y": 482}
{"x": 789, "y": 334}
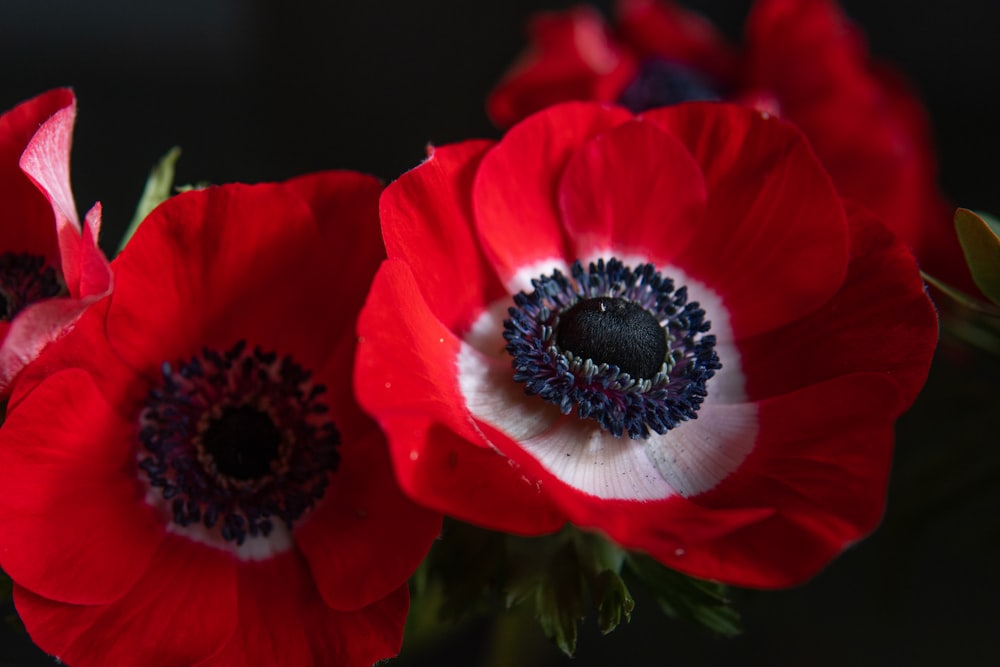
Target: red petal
{"x": 822, "y": 465}
{"x": 515, "y": 192}
{"x": 440, "y": 456}
{"x": 95, "y": 273}
{"x": 427, "y": 221}
{"x": 211, "y": 267}
{"x": 365, "y": 538}
{"x": 182, "y": 610}
{"x": 74, "y": 525}
{"x": 32, "y": 330}
{"x": 773, "y": 242}
{"x": 633, "y": 190}
{"x": 46, "y": 162}
{"x": 881, "y": 320}
{"x": 29, "y": 223}
{"x": 571, "y": 56}
{"x": 345, "y": 205}
{"x": 283, "y": 621}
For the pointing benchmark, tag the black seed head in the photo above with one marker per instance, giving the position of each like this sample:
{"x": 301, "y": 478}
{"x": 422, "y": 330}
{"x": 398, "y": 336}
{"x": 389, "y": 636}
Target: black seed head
{"x": 616, "y": 332}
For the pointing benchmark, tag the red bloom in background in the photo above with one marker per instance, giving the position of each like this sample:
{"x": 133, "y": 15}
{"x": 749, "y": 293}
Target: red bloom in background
{"x": 185, "y": 477}
{"x": 50, "y": 271}
{"x": 802, "y": 60}
{"x": 662, "y": 327}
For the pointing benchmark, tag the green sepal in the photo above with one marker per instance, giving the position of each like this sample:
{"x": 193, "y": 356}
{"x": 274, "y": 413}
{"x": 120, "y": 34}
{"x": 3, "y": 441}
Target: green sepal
{"x": 980, "y": 239}
{"x": 544, "y": 575}
{"x": 970, "y": 302}
{"x": 159, "y": 186}
{"x": 613, "y": 600}
{"x": 687, "y": 598}
{"x": 601, "y": 563}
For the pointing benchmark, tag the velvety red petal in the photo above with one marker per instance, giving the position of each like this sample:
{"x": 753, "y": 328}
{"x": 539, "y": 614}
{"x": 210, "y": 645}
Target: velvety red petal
{"x": 211, "y": 267}
{"x": 632, "y": 190}
{"x": 773, "y": 241}
{"x": 283, "y": 621}
{"x": 345, "y": 205}
{"x": 46, "y": 162}
{"x": 29, "y": 222}
{"x": 515, "y": 191}
{"x": 74, "y": 525}
{"x": 440, "y": 456}
{"x": 665, "y": 29}
{"x": 86, "y": 347}
{"x": 313, "y": 316}
{"x": 95, "y": 272}
{"x": 427, "y": 220}
{"x": 881, "y": 321}
{"x": 182, "y": 610}
{"x": 822, "y": 463}
{"x": 32, "y": 330}
{"x": 365, "y": 538}
{"x": 572, "y": 55}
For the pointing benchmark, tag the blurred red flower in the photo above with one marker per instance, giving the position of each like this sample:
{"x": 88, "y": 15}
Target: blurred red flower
{"x": 185, "y": 477}
{"x": 688, "y": 278}
{"x": 50, "y": 270}
{"x": 801, "y": 60}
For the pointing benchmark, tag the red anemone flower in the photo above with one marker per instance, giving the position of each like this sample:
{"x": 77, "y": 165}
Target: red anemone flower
{"x": 802, "y": 60}
{"x": 185, "y": 477}
{"x": 664, "y": 327}
{"x": 50, "y": 271}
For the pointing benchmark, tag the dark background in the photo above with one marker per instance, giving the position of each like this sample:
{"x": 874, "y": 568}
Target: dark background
{"x": 255, "y": 91}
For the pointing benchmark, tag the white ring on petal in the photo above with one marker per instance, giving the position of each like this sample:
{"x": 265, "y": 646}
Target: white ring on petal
{"x": 698, "y": 454}
{"x": 521, "y": 280}
{"x": 253, "y": 548}
{"x": 690, "y": 459}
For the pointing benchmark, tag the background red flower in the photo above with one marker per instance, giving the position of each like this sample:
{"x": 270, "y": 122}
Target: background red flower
{"x": 50, "y": 269}
{"x": 801, "y": 59}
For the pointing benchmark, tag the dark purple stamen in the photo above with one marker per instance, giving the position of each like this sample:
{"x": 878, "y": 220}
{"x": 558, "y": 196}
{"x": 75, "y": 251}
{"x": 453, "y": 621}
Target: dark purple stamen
{"x": 24, "y": 280}
{"x": 661, "y": 83}
{"x": 620, "y": 345}
{"x": 237, "y": 439}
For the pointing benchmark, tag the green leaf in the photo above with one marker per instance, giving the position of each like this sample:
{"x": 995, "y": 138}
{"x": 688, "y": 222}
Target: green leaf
{"x": 962, "y": 298}
{"x": 686, "y": 598}
{"x": 157, "y": 190}
{"x": 613, "y": 600}
{"x": 981, "y": 244}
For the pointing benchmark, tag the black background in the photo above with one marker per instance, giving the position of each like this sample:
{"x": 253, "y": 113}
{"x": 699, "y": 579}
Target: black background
{"x": 254, "y": 90}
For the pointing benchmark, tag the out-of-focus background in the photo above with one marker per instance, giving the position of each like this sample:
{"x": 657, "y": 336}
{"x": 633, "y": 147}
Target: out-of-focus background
{"x": 254, "y": 90}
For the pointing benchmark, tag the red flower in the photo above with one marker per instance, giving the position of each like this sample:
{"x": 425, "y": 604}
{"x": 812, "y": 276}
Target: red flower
{"x": 802, "y": 60}
{"x": 754, "y": 341}
{"x": 43, "y": 254}
{"x": 185, "y": 477}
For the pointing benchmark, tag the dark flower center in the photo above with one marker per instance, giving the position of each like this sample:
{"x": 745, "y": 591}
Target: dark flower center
{"x": 619, "y": 345}
{"x": 661, "y": 83}
{"x": 25, "y": 279}
{"x": 238, "y": 439}
{"x": 242, "y": 442}
{"x": 614, "y": 331}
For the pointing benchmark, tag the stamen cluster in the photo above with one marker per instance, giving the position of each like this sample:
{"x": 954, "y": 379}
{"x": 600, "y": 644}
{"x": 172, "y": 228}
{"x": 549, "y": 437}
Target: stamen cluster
{"x": 25, "y": 279}
{"x": 236, "y": 439}
{"x": 618, "y": 402}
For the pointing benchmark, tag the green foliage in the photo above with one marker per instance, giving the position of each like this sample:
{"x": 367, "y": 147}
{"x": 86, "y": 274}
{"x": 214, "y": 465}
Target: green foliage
{"x": 686, "y": 598}
{"x": 159, "y": 186}
{"x": 980, "y": 239}
{"x": 558, "y": 579}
